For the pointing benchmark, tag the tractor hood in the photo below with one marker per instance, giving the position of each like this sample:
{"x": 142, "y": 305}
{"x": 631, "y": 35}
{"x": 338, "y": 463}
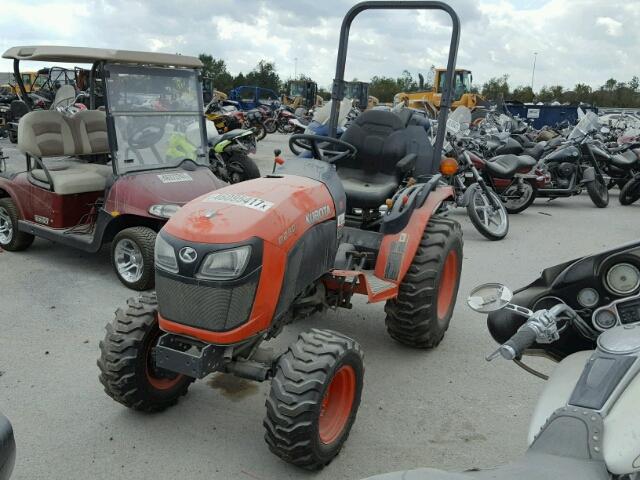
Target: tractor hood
{"x": 134, "y": 193}
{"x": 277, "y": 209}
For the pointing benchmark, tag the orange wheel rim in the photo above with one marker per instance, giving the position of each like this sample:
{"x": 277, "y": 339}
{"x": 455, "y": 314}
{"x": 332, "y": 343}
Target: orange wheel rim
{"x": 337, "y": 404}
{"x": 157, "y": 382}
{"x": 448, "y": 284}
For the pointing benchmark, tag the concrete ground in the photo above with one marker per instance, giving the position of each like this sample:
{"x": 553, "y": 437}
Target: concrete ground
{"x": 445, "y": 408}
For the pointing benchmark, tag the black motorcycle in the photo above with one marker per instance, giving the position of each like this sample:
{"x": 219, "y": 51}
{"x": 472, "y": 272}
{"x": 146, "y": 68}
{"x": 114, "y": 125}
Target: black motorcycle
{"x": 574, "y": 166}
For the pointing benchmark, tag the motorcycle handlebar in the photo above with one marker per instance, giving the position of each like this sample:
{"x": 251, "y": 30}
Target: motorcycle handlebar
{"x": 516, "y": 345}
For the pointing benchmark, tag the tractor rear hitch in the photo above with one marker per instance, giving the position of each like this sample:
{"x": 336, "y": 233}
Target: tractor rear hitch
{"x": 189, "y": 357}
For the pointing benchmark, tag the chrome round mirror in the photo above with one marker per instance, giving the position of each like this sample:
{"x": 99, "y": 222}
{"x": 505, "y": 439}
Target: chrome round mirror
{"x": 489, "y": 297}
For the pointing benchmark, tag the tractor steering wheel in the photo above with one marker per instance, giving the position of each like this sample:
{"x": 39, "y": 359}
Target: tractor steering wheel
{"x": 317, "y": 145}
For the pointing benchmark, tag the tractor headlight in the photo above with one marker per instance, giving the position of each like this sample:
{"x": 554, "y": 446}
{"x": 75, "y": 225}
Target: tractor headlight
{"x": 225, "y": 265}
{"x": 165, "y": 255}
{"x": 163, "y": 211}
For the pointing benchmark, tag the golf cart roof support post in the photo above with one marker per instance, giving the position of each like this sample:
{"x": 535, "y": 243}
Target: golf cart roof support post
{"x": 92, "y": 86}
{"x": 18, "y": 78}
{"x": 338, "y": 83}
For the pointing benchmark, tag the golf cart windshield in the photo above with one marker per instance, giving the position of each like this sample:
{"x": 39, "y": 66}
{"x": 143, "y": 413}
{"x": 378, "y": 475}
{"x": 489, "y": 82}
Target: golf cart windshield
{"x": 157, "y": 115}
{"x": 587, "y": 124}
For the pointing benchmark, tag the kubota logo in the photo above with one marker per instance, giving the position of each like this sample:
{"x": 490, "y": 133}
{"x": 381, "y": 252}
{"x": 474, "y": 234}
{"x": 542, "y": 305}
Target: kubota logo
{"x": 317, "y": 215}
{"x": 188, "y": 255}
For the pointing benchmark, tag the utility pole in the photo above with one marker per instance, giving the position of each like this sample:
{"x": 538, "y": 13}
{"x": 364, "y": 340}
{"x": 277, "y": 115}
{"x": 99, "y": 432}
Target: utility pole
{"x": 533, "y": 73}
{"x": 295, "y": 71}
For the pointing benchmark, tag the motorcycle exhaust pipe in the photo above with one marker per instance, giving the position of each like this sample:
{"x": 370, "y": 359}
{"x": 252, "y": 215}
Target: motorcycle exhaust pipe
{"x": 560, "y": 192}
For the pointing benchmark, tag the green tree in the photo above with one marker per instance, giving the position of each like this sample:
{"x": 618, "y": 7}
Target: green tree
{"x": 264, "y": 75}
{"x": 406, "y": 83}
{"x": 496, "y": 88}
{"x": 383, "y": 88}
{"x": 522, "y": 94}
{"x": 216, "y": 70}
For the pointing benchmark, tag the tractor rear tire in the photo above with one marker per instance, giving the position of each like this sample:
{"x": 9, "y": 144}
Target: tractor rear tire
{"x": 127, "y": 369}
{"x": 14, "y": 239}
{"x": 420, "y": 315}
{"x": 314, "y": 398}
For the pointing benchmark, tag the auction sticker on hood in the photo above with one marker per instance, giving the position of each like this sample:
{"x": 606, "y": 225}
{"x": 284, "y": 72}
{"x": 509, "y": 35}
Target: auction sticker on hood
{"x": 175, "y": 177}
{"x": 241, "y": 200}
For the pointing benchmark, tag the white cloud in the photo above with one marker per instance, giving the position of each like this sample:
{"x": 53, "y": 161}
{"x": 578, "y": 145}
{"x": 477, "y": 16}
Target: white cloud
{"x": 613, "y": 27}
{"x": 583, "y": 41}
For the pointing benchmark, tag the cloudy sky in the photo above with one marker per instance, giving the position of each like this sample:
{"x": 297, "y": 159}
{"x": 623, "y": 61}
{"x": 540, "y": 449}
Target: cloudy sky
{"x": 577, "y": 40}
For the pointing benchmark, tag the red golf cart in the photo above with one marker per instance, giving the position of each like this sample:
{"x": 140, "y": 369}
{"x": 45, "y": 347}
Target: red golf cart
{"x": 109, "y": 175}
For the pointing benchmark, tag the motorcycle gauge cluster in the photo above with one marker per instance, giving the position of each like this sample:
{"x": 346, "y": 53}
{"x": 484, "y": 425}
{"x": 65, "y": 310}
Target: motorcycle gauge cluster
{"x": 623, "y": 278}
{"x": 604, "y": 319}
{"x": 588, "y": 297}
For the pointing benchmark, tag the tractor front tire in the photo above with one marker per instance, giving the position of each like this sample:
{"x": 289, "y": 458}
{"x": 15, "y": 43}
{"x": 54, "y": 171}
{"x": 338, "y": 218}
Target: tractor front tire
{"x": 314, "y": 398}
{"x": 127, "y": 369}
{"x": 420, "y": 315}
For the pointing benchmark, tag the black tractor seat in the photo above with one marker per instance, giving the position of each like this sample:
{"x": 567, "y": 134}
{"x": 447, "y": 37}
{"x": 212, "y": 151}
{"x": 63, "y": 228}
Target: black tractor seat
{"x": 389, "y": 148}
{"x": 504, "y": 166}
{"x": 624, "y": 159}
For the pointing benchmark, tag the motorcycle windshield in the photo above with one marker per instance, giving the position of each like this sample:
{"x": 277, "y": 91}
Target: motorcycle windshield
{"x": 158, "y": 117}
{"x": 587, "y": 123}
{"x": 459, "y": 121}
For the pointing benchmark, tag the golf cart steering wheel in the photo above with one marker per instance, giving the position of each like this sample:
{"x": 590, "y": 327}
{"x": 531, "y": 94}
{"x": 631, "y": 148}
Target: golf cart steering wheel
{"x": 141, "y": 136}
{"x": 317, "y": 145}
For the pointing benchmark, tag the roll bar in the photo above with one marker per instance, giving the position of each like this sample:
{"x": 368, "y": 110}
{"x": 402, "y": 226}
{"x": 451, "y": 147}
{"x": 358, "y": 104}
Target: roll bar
{"x": 337, "y": 92}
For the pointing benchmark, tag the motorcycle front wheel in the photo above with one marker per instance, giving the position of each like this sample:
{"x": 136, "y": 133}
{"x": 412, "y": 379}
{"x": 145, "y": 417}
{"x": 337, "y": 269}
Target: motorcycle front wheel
{"x": 598, "y": 192}
{"x": 630, "y": 193}
{"x": 259, "y": 131}
{"x": 270, "y": 125}
{"x": 487, "y": 213}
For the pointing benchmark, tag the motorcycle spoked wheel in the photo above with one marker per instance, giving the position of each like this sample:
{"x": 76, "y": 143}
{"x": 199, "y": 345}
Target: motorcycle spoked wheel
{"x": 487, "y": 213}
{"x": 598, "y": 192}
{"x": 517, "y": 201}
{"x": 259, "y": 131}
{"x": 271, "y": 126}
{"x": 630, "y": 193}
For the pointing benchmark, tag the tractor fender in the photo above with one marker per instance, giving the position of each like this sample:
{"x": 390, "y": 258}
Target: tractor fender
{"x": 588, "y": 175}
{"x": 397, "y": 250}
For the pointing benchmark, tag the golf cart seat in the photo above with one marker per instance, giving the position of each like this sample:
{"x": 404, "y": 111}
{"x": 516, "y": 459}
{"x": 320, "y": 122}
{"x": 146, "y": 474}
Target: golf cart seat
{"x": 387, "y": 151}
{"x": 48, "y": 133}
{"x": 504, "y": 166}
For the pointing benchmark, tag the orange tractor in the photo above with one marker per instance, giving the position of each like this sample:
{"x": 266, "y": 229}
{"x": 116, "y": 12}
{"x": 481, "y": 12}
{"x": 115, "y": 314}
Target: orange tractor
{"x": 360, "y": 216}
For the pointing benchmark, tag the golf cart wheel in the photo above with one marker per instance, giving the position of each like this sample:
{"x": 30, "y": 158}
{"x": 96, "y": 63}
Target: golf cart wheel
{"x": 241, "y": 167}
{"x": 420, "y": 315}
{"x": 132, "y": 257}
{"x": 127, "y": 369}
{"x": 598, "y": 192}
{"x": 487, "y": 213}
{"x": 630, "y": 193}
{"x": 11, "y": 239}
{"x": 314, "y": 398}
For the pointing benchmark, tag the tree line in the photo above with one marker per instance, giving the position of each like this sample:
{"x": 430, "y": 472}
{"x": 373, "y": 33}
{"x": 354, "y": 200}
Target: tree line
{"x": 611, "y": 94}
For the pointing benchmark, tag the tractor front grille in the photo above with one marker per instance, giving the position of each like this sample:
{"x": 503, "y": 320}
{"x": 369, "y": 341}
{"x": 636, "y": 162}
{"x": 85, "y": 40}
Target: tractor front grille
{"x": 214, "y": 308}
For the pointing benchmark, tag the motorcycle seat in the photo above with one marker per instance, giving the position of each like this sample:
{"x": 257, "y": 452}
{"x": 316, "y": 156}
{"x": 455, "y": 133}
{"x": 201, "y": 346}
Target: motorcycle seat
{"x": 536, "y": 150}
{"x": 217, "y": 138}
{"x": 533, "y": 466}
{"x": 624, "y": 159}
{"x": 505, "y": 166}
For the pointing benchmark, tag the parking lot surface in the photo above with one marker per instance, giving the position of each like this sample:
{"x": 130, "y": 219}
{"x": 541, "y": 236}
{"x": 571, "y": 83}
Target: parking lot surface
{"x": 446, "y": 408}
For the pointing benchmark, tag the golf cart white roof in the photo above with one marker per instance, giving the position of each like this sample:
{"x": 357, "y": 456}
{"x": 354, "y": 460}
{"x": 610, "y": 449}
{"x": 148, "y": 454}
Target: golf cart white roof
{"x": 51, "y": 53}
